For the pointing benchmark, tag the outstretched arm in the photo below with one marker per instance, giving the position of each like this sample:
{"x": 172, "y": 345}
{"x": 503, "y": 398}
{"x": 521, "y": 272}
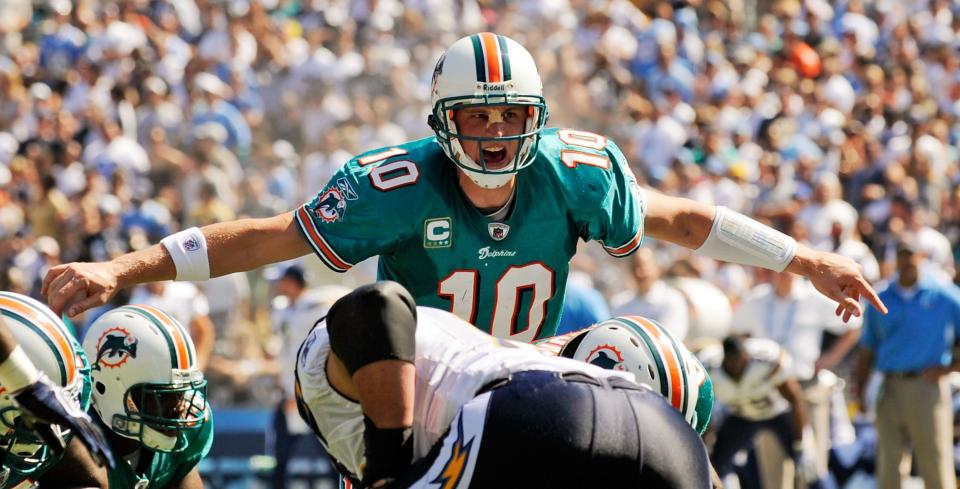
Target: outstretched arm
{"x": 233, "y": 246}
{"x": 692, "y": 224}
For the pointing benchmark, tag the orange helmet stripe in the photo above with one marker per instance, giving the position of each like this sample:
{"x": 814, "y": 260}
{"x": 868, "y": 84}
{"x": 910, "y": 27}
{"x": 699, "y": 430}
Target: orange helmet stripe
{"x": 56, "y": 332}
{"x": 491, "y": 51}
{"x": 176, "y": 332}
{"x": 669, "y": 356}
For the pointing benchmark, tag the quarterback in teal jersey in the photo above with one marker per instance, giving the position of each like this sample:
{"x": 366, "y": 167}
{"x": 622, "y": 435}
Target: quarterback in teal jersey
{"x": 149, "y": 397}
{"x": 480, "y": 219}
{"x": 504, "y": 275}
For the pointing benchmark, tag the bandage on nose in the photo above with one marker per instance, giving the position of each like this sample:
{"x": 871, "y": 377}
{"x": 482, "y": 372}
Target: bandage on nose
{"x": 495, "y": 117}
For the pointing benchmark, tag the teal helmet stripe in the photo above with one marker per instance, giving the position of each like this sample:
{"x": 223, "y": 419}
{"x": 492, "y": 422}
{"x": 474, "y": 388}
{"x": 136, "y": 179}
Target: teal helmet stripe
{"x": 46, "y": 339}
{"x": 651, "y": 345}
{"x": 504, "y": 57}
{"x": 478, "y": 58}
{"x": 681, "y": 359}
{"x": 191, "y": 353}
{"x": 166, "y": 334}
{"x": 678, "y": 354}
{"x": 45, "y": 311}
{"x": 704, "y": 406}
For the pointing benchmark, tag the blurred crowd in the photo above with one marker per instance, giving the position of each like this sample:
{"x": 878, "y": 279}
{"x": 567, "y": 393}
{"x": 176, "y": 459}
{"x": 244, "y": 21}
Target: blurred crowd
{"x": 123, "y": 121}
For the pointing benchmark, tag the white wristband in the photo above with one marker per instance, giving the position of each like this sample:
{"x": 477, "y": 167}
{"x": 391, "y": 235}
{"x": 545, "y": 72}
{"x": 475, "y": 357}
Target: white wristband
{"x": 188, "y": 248}
{"x": 17, "y": 371}
{"x": 736, "y": 238}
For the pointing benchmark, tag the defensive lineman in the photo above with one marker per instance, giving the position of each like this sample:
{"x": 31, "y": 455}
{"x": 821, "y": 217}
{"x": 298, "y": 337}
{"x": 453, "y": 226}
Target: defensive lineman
{"x": 385, "y": 384}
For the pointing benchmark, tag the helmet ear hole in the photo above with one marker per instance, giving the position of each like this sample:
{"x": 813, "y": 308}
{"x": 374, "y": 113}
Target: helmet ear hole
{"x": 101, "y": 388}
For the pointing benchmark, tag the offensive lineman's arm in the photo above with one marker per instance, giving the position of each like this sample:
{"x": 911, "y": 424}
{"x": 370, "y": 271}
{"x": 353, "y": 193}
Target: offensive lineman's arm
{"x": 7, "y": 343}
{"x": 43, "y": 404}
{"x": 233, "y": 246}
{"x": 691, "y": 224}
{"x": 76, "y": 469}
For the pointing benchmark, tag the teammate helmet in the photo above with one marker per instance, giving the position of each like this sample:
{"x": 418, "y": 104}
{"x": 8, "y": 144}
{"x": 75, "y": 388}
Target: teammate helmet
{"x": 657, "y": 359}
{"x": 146, "y": 384}
{"x": 53, "y": 350}
{"x": 482, "y": 70}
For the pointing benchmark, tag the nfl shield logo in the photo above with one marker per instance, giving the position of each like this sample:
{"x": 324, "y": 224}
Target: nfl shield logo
{"x": 498, "y": 230}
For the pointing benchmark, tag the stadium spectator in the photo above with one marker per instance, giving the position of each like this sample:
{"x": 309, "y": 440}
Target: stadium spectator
{"x": 296, "y": 309}
{"x": 913, "y": 347}
{"x": 753, "y": 378}
{"x": 787, "y": 310}
{"x": 651, "y": 297}
{"x": 187, "y": 304}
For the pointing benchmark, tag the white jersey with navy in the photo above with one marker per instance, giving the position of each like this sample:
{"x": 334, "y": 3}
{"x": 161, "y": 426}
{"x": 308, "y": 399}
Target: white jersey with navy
{"x": 755, "y": 395}
{"x": 454, "y": 360}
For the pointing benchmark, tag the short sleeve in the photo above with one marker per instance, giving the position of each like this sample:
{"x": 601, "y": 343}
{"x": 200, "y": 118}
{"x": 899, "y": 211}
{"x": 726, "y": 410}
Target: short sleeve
{"x": 868, "y": 333}
{"x": 349, "y": 220}
{"x": 618, "y": 222}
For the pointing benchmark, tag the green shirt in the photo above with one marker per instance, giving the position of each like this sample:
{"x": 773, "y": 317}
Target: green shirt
{"x": 508, "y": 278}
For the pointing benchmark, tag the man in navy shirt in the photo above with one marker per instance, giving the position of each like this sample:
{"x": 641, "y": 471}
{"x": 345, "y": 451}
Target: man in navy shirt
{"x": 912, "y": 347}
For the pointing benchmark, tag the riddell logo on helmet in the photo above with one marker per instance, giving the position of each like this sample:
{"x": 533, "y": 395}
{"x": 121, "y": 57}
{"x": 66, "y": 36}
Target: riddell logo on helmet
{"x": 114, "y": 347}
{"x": 494, "y": 87}
{"x": 606, "y": 356}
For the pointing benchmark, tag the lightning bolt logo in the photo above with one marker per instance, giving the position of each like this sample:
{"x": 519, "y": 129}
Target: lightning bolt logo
{"x": 453, "y": 470}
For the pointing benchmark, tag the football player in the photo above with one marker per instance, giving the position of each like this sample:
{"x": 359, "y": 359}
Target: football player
{"x": 406, "y": 396}
{"x": 651, "y": 353}
{"x": 150, "y": 398}
{"x": 480, "y": 219}
{"x": 754, "y": 378}
{"x": 44, "y": 391}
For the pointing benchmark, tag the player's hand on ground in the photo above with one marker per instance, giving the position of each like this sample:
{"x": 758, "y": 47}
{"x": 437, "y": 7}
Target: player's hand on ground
{"x": 76, "y": 287}
{"x": 841, "y": 279}
{"x": 47, "y": 411}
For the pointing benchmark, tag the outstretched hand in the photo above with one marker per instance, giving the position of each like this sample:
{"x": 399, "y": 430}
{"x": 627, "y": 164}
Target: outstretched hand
{"x": 46, "y": 410}
{"x": 76, "y": 287}
{"x": 838, "y": 278}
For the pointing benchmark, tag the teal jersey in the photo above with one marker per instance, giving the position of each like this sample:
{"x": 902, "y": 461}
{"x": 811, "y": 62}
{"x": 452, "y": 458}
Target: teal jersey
{"x": 507, "y": 277}
{"x": 164, "y": 469}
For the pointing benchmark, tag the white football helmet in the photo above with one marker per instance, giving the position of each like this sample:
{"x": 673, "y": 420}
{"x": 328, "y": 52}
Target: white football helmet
{"x": 55, "y": 352}
{"x": 652, "y": 354}
{"x": 146, "y": 384}
{"x": 487, "y": 69}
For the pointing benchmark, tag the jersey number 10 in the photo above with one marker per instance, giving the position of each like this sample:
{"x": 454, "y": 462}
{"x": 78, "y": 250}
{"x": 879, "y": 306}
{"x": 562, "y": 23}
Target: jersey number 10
{"x": 535, "y": 277}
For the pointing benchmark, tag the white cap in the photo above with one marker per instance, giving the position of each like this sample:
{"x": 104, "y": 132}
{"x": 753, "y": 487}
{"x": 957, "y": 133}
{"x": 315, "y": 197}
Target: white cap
{"x": 156, "y": 85}
{"x": 40, "y": 91}
{"x": 211, "y": 84}
{"x": 8, "y": 147}
{"x": 47, "y": 246}
{"x": 110, "y": 204}
{"x": 61, "y": 7}
{"x": 211, "y": 130}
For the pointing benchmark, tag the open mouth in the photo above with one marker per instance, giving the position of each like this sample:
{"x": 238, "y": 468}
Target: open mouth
{"x": 494, "y": 157}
